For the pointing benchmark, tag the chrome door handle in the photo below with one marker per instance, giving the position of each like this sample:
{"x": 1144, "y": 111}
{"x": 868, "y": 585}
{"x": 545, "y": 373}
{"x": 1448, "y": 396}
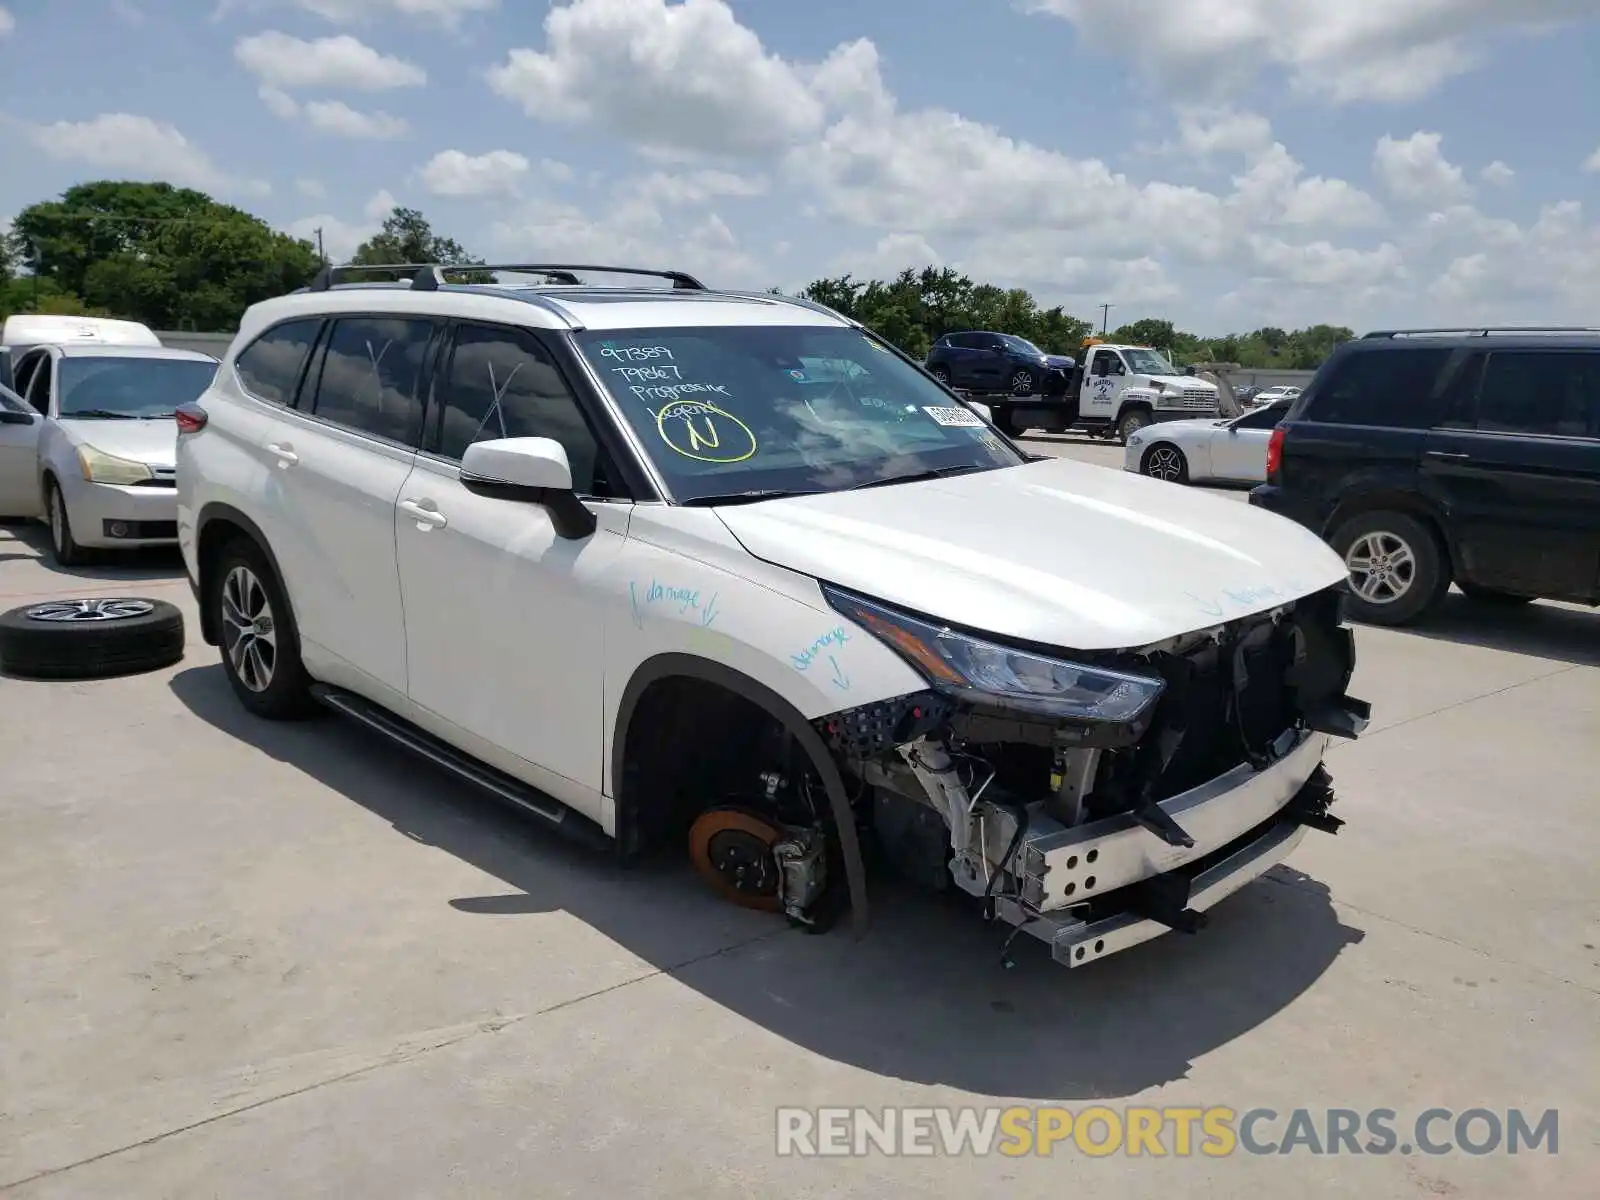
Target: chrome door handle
{"x": 426, "y": 518}
{"x": 285, "y": 452}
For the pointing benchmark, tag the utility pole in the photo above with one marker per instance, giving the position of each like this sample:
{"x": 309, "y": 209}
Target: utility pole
{"x": 1105, "y": 317}
{"x": 321, "y": 257}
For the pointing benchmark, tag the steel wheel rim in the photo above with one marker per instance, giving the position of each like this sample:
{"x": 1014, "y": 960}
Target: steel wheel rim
{"x": 249, "y": 632}
{"x": 1382, "y": 566}
{"x": 78, "y": 611}
{"x": 1164, "y": 463}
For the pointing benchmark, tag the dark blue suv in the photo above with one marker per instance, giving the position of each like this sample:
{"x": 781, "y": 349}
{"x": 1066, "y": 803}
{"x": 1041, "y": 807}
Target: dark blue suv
{"x": 1427, "y": 457}
{"x": 998, "y": 362}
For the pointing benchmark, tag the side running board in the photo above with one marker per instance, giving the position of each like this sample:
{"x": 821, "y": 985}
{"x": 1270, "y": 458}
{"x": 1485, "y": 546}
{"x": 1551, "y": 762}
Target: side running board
{"x": 498, "y": 784}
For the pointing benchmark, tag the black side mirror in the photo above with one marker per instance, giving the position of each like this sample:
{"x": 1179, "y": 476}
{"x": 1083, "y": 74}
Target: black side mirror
{"x": 8, "y": 417}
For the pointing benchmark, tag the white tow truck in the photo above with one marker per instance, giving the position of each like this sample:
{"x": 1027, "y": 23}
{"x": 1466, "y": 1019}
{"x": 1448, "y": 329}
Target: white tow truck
{"x": 1114, "y": 392}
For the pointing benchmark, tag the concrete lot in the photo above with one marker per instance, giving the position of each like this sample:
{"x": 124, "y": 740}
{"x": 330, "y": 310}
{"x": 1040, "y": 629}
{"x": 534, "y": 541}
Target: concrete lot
{"x": 250, "y": 960}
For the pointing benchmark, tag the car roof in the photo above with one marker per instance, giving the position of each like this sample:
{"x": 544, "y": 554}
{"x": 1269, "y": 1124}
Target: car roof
{"x": 101, "y": 350}
{"x": 1557, "y": 337}
{"x": 547, "y": 306}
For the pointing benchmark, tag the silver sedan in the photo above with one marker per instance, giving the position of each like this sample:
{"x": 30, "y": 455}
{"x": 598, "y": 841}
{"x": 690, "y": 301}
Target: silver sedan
{"x": 1232, "y": 450}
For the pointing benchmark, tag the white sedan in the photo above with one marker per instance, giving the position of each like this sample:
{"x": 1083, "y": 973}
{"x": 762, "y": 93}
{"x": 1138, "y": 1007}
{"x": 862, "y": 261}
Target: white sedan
{"x": 1232, "y": 450}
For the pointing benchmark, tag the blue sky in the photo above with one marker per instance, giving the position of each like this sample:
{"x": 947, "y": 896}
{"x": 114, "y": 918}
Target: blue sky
{"x": 1224, "y": 163}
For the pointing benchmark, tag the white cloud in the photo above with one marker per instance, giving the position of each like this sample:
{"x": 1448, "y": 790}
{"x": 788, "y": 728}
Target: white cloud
{"x": 311, "y": 189}
{"x": 279, "y": 103}
{"x": 334, "y": 117}
{"x": 1497, "y": 174}
{"x": 379, "y": 206}
{"x": 337, "y": 119}
{"x": 1207, "y": 131}
{"x": 1417, "y": 170}
{"x": 281, "y": 61}
{"x": 682, "y": 78}
{"x": 1593, "y": 162}
{"x": 445, "y": 12}
{"x": 8, "y": 23}
{"x": 340, "y": 237}
{"x": 1356, "y": 50}
{"x": 456, "y": 173}
{"x": 698, "y": 187}
{"x": 138, "y": 147}
{"x": 632, "y": 228}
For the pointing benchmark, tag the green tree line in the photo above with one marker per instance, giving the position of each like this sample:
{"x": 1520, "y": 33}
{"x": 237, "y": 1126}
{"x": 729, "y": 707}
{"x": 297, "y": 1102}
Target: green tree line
{"x": 174, "y": 258}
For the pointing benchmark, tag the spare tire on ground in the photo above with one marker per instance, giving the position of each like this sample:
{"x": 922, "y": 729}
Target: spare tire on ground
{"x": 90, "y": 639}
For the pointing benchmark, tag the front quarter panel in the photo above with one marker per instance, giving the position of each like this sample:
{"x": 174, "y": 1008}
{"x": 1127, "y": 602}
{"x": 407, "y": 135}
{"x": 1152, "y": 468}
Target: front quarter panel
{"x": 715, "y": 602}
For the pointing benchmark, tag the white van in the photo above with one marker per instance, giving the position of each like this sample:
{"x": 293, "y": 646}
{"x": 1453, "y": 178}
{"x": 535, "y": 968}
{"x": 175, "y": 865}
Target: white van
{"x": 40, "y": 329}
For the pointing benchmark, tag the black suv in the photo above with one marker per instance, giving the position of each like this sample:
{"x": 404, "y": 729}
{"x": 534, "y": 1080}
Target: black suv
{"x": 998, "y": 362}
{"x": 1432, "y": 456}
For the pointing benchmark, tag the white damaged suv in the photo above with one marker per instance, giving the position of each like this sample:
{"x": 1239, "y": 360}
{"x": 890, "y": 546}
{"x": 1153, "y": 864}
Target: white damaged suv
{"x": 664, "y": 565}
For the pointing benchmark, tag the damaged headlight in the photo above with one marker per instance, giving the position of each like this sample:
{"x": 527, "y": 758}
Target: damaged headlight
{"x": 985, "y": 672}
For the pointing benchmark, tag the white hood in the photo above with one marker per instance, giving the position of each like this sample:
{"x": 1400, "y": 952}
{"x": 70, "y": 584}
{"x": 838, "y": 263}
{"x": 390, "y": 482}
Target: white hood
{"x": 1059, "y": 552}
{"x": 1178, "y": 381}
{"x": 154, "y": 441}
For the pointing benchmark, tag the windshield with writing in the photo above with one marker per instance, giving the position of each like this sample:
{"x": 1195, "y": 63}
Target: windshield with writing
{"x": 1148, "y": 362}
{"x": 107, "y": 387}
{"x": 725, "y": 410}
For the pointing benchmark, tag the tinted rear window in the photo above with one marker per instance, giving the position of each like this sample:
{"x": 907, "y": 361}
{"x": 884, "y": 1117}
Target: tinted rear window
{"x": 1395, "y": 388}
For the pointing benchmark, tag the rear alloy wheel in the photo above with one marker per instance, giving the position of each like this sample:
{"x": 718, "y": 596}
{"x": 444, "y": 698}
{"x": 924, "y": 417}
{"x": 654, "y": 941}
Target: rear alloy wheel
{"x": 942, "y": 374}
{"x": 256, "y": 634}
{"x": 1397, "y": 569}
{"x": 731, "y": 849}
{"x": 1131, "y": 422}
{"x": 1165, "y": 461}
{"x": 90, "y": 639}
{"x": 1022, "y": 383}
{"x": 63, "y": 545}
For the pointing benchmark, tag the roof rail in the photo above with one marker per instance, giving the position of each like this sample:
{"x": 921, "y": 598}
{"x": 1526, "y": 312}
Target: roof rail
{"x": 427, "y": 277}
{"x": 1479, "y": 331}
{"x": 798, "y": 302}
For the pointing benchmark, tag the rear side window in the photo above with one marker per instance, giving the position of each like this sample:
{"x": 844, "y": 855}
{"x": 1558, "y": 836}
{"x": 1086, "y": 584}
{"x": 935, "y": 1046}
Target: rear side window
{"x": 1550, "y": 392}
{"x": 270, "y": 366}
{"x": 1391, "y": 388}
{"x": 371, "y": 376}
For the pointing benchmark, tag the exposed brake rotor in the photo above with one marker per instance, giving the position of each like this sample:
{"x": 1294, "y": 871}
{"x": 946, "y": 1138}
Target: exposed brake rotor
{"x": 732, "y": 850}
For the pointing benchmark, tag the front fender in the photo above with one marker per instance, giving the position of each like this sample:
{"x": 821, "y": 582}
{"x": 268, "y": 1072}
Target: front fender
{"x": 715, "y": 602}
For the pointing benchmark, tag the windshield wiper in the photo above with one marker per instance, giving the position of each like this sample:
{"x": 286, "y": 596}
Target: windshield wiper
{"x": 917, "y": 476}
{"x": 750, "y": 497}
{"x": 102, "y": 414}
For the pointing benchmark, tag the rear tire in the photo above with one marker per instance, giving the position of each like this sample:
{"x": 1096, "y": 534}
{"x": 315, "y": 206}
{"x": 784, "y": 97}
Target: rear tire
{"x": 257, "y": 636}
{"x": 1166, "y": 462}
{"x": 1398, "y": 570}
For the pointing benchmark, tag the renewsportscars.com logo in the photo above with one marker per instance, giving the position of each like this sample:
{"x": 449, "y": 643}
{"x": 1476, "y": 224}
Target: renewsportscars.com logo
{"x": 1099, "y": 1131}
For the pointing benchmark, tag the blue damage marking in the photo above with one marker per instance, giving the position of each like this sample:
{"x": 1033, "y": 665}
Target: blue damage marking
{"x": 682, "y": 600}
{"x": 1237, "y": 598}
{"x": 840, "y": 680}
{"x": 835, "y": 637}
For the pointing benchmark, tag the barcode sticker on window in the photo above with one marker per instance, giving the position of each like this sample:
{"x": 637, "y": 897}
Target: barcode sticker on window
{"x": 963, "y": 417}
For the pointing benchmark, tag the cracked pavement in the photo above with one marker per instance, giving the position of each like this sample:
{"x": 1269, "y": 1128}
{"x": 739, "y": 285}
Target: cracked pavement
{"x": 249, "y": 961}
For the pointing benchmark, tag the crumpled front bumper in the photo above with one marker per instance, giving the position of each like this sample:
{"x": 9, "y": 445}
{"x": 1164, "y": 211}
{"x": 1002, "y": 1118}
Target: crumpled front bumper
{"x": 1099, "y": 888}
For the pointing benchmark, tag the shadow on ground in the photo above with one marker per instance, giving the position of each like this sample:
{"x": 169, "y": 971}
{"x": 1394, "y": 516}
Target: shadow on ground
{"x": 30, "y": 541}
{"x": 923, "y": 998}
{"x": 1557, "y": 632}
